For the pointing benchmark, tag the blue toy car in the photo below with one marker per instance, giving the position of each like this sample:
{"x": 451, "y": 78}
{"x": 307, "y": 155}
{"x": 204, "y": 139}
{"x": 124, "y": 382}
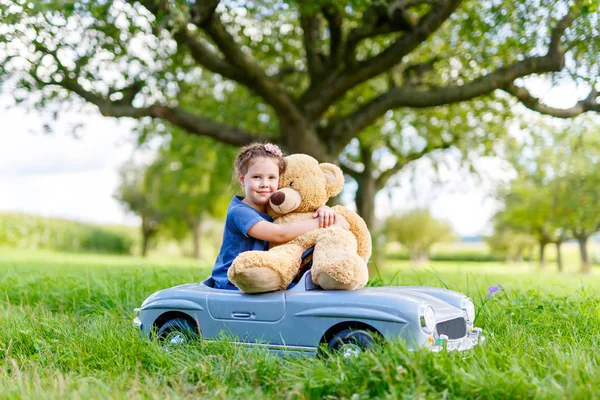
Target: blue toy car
{"x": 305, "y": 318}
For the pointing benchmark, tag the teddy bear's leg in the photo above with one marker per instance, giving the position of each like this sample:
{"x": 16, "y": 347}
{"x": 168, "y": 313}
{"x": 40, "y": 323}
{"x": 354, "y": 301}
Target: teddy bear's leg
{"x": 266, "y": 271}
{"x": 336, "y": 264}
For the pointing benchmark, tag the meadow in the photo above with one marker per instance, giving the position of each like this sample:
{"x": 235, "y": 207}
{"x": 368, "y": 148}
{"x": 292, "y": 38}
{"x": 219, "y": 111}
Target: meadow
{"x": 65, "y": 332}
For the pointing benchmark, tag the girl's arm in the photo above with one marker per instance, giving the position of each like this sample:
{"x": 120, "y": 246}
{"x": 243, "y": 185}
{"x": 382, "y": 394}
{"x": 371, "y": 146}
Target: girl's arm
{"x": 274, "y": 233}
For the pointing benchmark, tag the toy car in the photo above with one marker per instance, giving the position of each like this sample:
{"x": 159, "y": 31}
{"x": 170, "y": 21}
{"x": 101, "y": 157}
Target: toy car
{"x": 307, "y": 319}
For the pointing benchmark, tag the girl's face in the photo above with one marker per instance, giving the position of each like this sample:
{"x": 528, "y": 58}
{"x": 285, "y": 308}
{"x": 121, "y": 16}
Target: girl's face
{"x": 260, "y": 182}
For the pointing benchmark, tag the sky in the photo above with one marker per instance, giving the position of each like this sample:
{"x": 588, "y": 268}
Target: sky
{"x": 60, "y": 175}
{"x": 57, "y": 174}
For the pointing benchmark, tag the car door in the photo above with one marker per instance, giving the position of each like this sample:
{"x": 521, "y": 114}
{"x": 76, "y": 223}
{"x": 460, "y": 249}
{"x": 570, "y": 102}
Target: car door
{"x": 249, "y": 318}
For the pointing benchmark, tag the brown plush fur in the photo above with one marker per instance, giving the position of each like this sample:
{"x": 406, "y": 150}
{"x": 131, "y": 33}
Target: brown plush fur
{"x": 340, "y": 257}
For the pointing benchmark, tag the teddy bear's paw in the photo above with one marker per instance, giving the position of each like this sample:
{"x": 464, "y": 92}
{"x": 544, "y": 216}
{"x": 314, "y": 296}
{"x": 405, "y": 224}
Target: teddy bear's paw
{"x": 258, "y": 280}
{"x": 350, "y": 274}
{"x": 326, "y": 282}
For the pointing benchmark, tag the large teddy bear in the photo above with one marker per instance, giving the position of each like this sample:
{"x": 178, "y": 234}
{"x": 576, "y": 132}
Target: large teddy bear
{"x": 340, "y": 255}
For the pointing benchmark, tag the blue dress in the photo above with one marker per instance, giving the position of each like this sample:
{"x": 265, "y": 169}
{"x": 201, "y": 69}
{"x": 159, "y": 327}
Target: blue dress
{"x": 240, "y": 218}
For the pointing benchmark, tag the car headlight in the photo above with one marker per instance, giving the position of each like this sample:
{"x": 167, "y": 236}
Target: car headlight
{"x": 469, "y": 309}
{"x": 427, "y": 318}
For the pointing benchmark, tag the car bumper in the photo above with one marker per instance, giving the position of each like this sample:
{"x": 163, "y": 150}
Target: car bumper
{"x": 468, "y": 342}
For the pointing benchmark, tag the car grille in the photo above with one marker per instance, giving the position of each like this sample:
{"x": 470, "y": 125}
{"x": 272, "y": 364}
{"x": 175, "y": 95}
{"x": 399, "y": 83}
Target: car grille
{"x": 453, "y": 328}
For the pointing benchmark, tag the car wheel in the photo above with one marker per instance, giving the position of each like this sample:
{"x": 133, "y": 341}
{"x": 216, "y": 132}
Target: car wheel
{"x": 177, "y": 331}
{"x": 351, "y": 342}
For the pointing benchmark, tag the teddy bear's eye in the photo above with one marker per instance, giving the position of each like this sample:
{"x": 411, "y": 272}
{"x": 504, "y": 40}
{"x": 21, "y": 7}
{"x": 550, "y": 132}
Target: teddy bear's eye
{"x": 292, "y": 184}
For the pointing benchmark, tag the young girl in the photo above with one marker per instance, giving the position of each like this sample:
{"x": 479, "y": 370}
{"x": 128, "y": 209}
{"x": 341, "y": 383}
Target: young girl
{"x": 247, "y": 226}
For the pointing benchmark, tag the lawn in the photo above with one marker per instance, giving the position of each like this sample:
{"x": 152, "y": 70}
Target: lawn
{"x": 65, "y": 331}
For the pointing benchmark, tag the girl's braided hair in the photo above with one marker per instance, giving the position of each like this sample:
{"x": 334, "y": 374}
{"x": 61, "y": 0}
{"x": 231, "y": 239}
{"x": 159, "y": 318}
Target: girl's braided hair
{"x": 251, "y": 151}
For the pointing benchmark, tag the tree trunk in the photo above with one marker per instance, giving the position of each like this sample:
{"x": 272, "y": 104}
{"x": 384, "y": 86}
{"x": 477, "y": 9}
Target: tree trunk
{"x": 365, "y": 200}
{"x": 559, "y": 262}
{"x": 585, "y": 261}
{"x": 196, "y": 230}
{"x": 419, "y": 258}
{"x": 303, "y": 138}
{"x": 542, "y": 255}
{"x": 365, "y": 207}
{"x": 145, "y": 239}
{"x": 149, "y": 227}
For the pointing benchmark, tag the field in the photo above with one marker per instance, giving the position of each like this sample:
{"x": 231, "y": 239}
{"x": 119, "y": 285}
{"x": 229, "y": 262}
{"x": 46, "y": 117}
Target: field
{"x": 65, "y": 332}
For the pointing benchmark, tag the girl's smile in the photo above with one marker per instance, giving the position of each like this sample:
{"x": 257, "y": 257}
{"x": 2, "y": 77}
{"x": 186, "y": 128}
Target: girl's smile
{"x": 260, "y": 182}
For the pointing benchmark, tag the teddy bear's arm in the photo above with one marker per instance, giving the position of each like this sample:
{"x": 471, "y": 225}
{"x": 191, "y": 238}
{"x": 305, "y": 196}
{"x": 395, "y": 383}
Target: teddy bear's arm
{"x": 360, "y": 230}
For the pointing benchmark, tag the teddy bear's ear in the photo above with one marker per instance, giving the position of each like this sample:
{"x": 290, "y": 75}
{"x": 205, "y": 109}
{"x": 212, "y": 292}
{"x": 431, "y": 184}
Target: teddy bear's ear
{"x": 334, "y": 177}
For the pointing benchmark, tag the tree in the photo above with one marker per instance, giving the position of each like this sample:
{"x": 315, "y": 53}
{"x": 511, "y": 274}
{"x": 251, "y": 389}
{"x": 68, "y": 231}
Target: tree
{"x": 512, "y": 244}
{"x": 312, "y": 73}
{"x": 532, "y": 207}
{"x": 191, "y": 180}
{"x": 470, "y": 129}
{"x": 418, "y": 231}
{"x": 556, "y": 193}
{"x": 132, "y": 193}
{"x": 581, "y": 182}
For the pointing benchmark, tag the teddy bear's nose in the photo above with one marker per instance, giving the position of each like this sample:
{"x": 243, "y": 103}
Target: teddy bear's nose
{"x": 278, "y": 198}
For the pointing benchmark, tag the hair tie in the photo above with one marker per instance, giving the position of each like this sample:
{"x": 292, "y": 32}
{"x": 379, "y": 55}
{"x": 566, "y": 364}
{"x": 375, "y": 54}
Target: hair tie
{"x": 273, "y": 149}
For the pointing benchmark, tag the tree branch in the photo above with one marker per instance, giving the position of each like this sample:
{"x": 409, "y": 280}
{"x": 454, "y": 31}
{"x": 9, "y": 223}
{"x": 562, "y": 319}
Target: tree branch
{"x": 193, "y": 123}
{"x": 236, "y": 66}
{"x": 311, "y": 39}
{"x": 345, "y": 128}
{"x": 206, "y": 57}
{"x": 319, "y": 99}
{"x": 382, "y": 179}
{"x": 334, "y": 20}
{"x": 349, "y": 171}
{"x": 590, "y": 103}
{"x": 256, "y": 78}
{"x": 202, "y": 11}
{"x": 128, "y": 92}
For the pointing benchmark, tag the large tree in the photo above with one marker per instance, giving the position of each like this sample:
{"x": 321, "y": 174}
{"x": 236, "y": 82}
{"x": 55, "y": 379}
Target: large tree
{"x": 191, "y": 182}
{"x": 310, "y": 72}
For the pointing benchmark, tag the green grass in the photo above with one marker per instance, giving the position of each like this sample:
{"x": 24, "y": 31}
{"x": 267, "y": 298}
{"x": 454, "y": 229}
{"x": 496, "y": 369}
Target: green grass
{"x": 65, "y": 332}
{"x": 35, "y": 232}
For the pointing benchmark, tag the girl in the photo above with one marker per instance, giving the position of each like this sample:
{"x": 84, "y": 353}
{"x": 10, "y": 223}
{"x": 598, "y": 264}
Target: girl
{"x": 247, "y": 226}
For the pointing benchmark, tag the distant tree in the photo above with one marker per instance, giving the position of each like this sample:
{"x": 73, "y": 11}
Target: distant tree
{"x": 512, "y": 244}
{"x": 533, "y": 208}
{"x": 418, "y": 231}
{"x": 132, "y": 193}
{"x": 580, "y": 181}
{"x": 556, "y": 195}
{"x": 191, "y": 181}
{"x": 461, "y": 131}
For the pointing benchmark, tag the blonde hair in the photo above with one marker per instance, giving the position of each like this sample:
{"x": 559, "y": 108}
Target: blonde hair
{"x": 254, "y": 150}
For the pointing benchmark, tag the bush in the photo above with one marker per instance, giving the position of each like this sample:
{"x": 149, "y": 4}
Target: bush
{"x": 33, "y": 232}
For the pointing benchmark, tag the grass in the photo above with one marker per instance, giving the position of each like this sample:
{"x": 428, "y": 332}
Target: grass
{"x": 34, "y": 232}
{"x": 65, "y": 332}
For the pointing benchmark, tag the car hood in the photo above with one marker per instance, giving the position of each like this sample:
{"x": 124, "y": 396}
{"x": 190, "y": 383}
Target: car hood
{"x": 443, "y": 310}
{"x": 401, "y": 301}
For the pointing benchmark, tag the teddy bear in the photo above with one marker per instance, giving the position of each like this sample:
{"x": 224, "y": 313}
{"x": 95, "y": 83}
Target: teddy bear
{"x": 340, "y": 255}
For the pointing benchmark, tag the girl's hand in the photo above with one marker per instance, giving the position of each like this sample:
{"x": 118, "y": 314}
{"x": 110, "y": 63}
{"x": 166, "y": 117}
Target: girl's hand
{"x": 326, "y": 215}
